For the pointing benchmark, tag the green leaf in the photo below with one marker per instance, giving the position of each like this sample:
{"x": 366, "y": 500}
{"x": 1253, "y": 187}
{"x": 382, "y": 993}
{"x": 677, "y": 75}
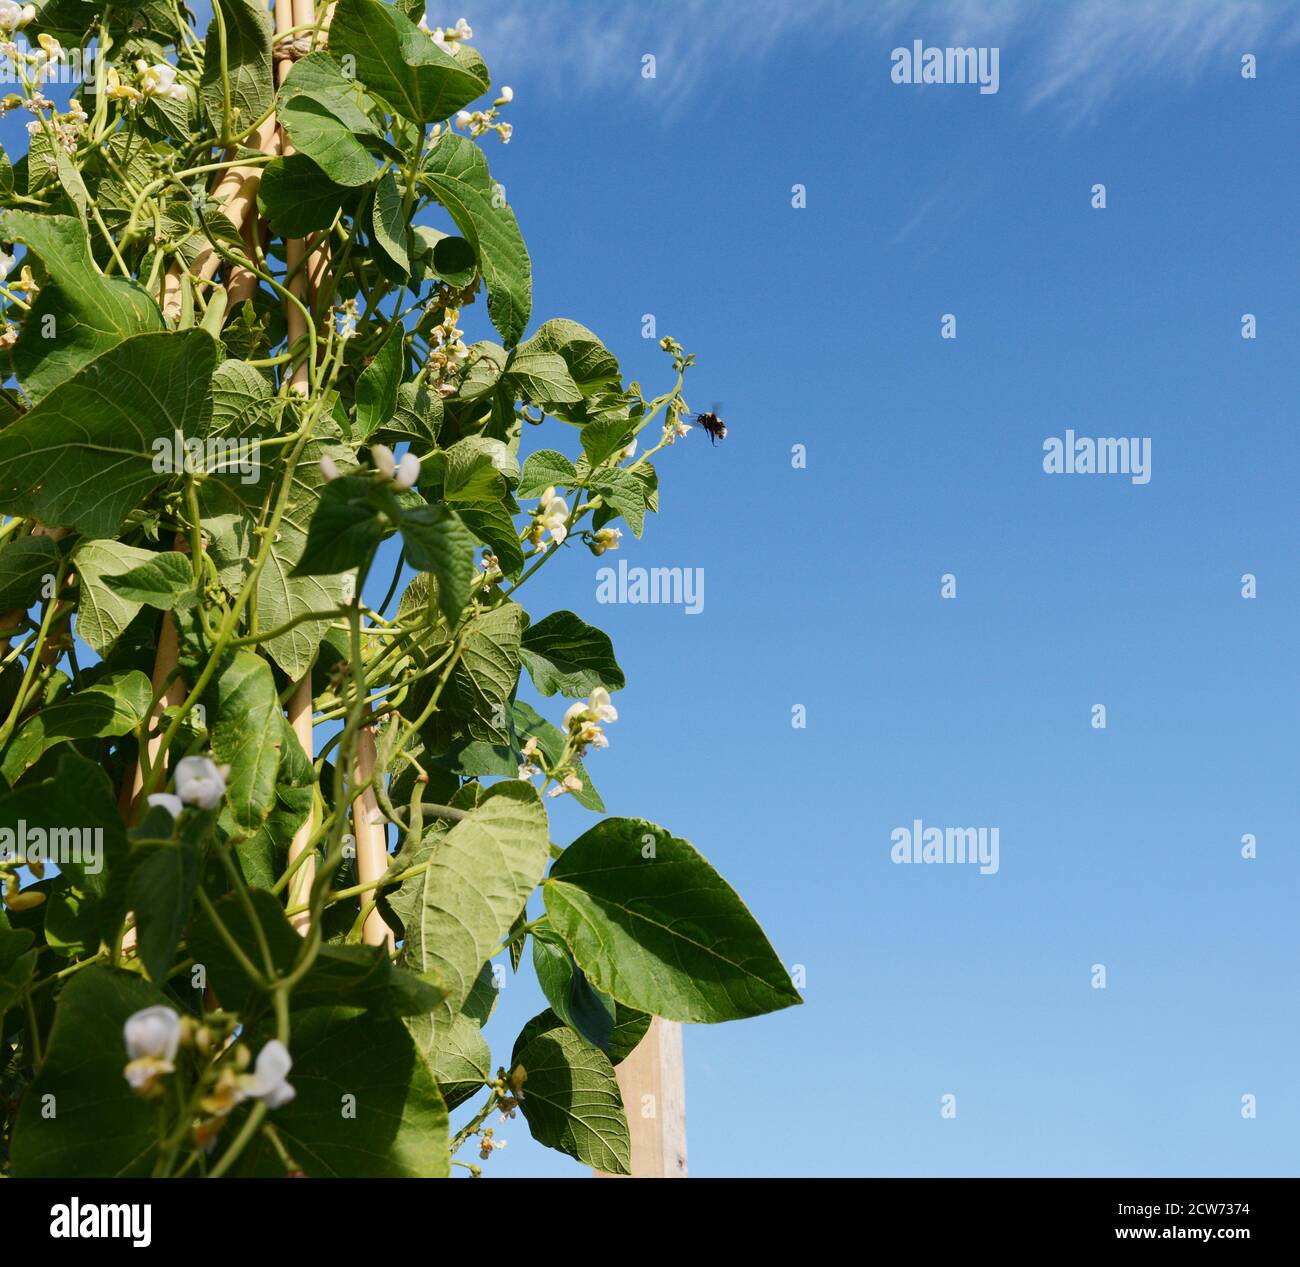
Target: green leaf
{"x": 572, "y": 1102}
{"x": 344, "y": 530}
{"x": 246, "y": 735}
{"x": 102, "y": 613}
{"x": 546, "y": 469}
{"x": 79, "y": 313}
{"x": 100, "y": 1127}
{"x": 437, "y": 542}
{"x": 458, "y": 910}
{"x": 283, "y": 596}
{"x": 297, "y": 197}
{"x": 400, "y": 63}
{"x": 165, "y": 581}
{"x": 540, "y": 377}
{"x": 476, "y": 701}
{"x": 248, "y": 60}
{"x": 582, "y": 1008}
{"x": 592, "y": 367}
{"x": 479, "y": 875}
{"x": 624, "y": 493}
{"x": 24, "y": 565}
{"x": 326, "y": 119}
{"x": 563, "y": 653}
{"x": 458, "y": 1053}
{"x": 114, "y": 705}
{"x": 98, "y": 431}
{"x": 264, "y": 855}
{"x": 377, "y": 386}
{"x": 417, "y": 417}
{"x": 17, "y": 964}
{"x": 161, "y": 893}
{"x": 458, "y": 174}
{"x": 653, "y": 924}
{"x": 388, "y": 225}
{"x": 442, "y": 255}
{"x": 396, "y": 1126}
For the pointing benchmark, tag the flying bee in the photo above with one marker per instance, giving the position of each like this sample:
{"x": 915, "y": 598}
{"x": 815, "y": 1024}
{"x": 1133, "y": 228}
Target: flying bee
{"x": 714, "y": 425}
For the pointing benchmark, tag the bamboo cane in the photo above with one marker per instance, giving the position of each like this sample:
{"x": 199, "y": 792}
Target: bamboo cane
{"x": 300, "y": 719}
{"x": 372, "y": 848}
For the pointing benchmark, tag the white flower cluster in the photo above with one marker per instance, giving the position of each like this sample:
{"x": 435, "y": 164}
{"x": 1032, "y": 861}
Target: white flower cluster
{"x": 449, "y": 353}
{"x": 552, "y": 517}
{"x": 584, "y": 719}
{"x": 448, "y": 39}
{"x": 153, "y": 1037}
{"x": 199, "y": 781}
{"x": 401, "y": 474}
{"x": 13, "y": 17}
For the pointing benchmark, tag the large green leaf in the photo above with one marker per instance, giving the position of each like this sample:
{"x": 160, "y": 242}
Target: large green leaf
{"x": 24, "y": 565}
{"x": 97, "y": 431}
{"x": 458, "y": 174}
{"x": 100, "y": 1127}
{"x": 114, "y": 705}
{"x": 377, "y": 386}
{"x": 248, "y": 60}
{"x": 397, "y": 61}
{"x": 582, "y": 1008}
{"x": 103, "y": 612}
{"x": 438, "y": 543}
{"x": 564, "y": 653}
{"x": 652, "y": 924}
{"x": 458, "y": 910}
{"x": 366, "y": 1103}
{"x": 79, "y": 312}
{"x": 572, "y": 1101}
{"x": 297, "y": 197}
{"x": 164, "y": 580}
{"x": 244, "y": 713}
{"x": 476, "y": 701}
{"x": 326, "y": 120}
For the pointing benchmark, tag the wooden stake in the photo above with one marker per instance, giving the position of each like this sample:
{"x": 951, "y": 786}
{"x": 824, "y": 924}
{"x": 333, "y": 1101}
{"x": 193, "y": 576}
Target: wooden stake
{"x": 300, "y": 886}
{"x": 372, "y": 847}
{"x": 653, "y": 1084}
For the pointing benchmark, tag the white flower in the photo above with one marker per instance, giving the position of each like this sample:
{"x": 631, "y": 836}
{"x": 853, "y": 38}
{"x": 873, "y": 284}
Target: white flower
{"x": 464, "y": 119}
{"x": 172, "y": 804}
{"x": 152, "y": 1038}
{"x": 200, "y": 781}
{"x": 408, "y": 471}
{"x": 329, "y": 468}
{"x": 269, "y": 1080}
{"x": 462, "y": 30}
{"x": 154, "y": 1032}
{"x": 630, "y": 451}
{"x": 571, "y": 784}
{"x": 574, "y": 712}
{"x": 13, "y": 17}
{"x": 554, "y": 515}
{"x": 600, "y": 707}
{"x": 7, "y": 262}
{"x": 159, "y": 80}
{"x": 606, "y": 539}
{"x": 506, "y": 97}
{"x": 382, "y": 456}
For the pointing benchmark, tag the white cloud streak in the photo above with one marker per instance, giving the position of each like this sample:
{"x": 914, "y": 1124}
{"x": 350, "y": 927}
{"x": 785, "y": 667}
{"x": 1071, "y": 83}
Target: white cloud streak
{"x": 1074, "y": 56}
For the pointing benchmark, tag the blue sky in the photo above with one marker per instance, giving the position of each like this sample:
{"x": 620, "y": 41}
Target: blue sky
{"x": 820, "y": 327}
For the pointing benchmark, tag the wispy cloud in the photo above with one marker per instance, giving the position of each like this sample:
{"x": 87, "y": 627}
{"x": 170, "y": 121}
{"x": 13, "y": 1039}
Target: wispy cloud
{"x": 1074, "y": 56}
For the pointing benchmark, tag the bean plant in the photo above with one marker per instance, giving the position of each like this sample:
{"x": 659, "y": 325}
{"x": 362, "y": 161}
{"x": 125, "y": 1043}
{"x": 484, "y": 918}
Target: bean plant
{"x": 274, "y": 818}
